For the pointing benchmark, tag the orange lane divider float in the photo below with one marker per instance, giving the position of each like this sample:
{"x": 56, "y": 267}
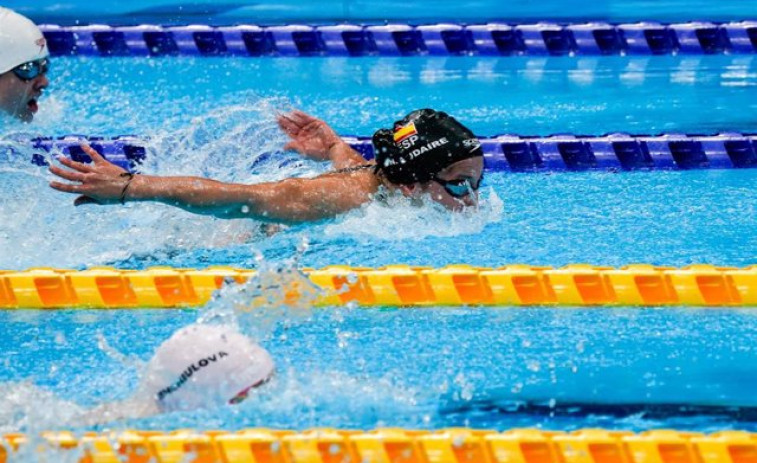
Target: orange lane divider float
{"x": 457, "y": 445}
{"x": 394, "y": 285}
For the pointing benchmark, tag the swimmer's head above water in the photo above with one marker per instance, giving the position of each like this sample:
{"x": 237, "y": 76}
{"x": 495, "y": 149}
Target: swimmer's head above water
{"x": 24, "y": 62}
{"x": 431, "y": 152}
{"x": 199, "y": 366}
{"x": 205, "y": 365}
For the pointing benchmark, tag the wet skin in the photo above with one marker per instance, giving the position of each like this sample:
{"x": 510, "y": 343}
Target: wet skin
{"x": 291, "y": 200}
{"x": 19, "y": 98}
{"x": 467, "y": 169}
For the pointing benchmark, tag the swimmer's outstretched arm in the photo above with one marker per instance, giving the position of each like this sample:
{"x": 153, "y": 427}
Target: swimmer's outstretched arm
{"x": 289, "y": 201}
{"x": 134, "y": 407}
{"x": 314, "y": 139}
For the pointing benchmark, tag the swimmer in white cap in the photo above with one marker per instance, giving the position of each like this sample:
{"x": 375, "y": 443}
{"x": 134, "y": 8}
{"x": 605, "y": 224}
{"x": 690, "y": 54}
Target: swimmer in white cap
{"x": 24, "y": 62}
{"x": 203, "y": 365}
{"x": 199, "y": 366}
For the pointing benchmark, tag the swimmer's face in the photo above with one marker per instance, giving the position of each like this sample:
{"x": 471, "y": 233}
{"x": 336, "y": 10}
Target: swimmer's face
{"x": 19, "y": 98}
{"x": 461, "y": 177}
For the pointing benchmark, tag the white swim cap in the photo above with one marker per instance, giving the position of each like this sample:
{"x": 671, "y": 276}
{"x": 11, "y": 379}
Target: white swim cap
{"x": 20, "y": 40}
{"x": 205, "y": 365}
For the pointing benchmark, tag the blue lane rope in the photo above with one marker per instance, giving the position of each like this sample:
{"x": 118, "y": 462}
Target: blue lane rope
{"x": 508, "y": 153}
{"x": 493, "y": 39}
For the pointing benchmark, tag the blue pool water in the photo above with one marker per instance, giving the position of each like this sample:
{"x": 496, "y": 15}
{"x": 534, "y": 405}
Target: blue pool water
{"x": 413, "y": 368}
{"x": 281, "y": 11}
{"x": 523, "y": 95}
{"x": 429, "y": 368}
{"x": 214, "y": 117}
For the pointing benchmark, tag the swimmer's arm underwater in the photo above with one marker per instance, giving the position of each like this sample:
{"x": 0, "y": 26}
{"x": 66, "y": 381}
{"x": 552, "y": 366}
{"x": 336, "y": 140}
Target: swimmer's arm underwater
{"x": 314, "y": 139}
{"x": 290, "y": 201}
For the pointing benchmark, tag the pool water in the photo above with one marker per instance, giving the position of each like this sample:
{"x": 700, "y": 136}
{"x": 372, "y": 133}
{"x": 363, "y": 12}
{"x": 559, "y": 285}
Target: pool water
{"x": 215, "y": 117}
{"x": 413, "y": 368}
{"x": 430, "y": 368}
{"x": 288, "y": 11}
{"x": 521, "y": 95}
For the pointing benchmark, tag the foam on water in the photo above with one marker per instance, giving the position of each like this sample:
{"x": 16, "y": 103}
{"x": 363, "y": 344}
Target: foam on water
{"x": 400, "y": 219}
{"x": 26, "y": 406}
{"x": 233, "y": 144}
{"x": 43, "y": 228}
{"x": 237, "y": 143}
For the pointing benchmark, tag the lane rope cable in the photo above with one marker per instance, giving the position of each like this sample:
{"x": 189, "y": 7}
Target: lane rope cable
{"x": 455, "y": 445}
{"x": 506, "y": 153}
{"x": 491, "y": 39}
{"x": 392, "y": 286}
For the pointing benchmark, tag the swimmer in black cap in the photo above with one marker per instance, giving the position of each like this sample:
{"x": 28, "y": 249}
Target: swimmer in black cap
{"x": 431, "y": 152}
{"x": 426, "y": 153}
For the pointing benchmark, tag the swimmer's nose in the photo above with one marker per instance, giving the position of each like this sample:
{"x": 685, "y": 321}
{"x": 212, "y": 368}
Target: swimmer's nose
{"x": 41, "y": 82}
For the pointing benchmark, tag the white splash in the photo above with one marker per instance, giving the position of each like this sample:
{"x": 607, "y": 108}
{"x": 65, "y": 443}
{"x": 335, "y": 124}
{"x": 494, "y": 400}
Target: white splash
{"x": 41, "y": 227}
{"x": 400, "y": 219}
{"x": 359, "y": 399}
{"x": 28, "y": 407}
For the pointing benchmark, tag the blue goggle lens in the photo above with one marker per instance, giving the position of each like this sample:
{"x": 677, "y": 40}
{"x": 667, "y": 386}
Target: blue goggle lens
{"x": 32, "y": 69}
{"x": 459, "y": 188}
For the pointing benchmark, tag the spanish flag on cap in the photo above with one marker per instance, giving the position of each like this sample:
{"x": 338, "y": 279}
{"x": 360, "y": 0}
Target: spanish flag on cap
{"x": 402, "y": 132}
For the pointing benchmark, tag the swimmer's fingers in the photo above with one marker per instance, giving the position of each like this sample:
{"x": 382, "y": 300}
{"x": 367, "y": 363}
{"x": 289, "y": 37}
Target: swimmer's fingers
{"x": 302, "y": 117}
{"x": 288, "y": 125}
{"x": 80, "y": 166}
{"x": 96, "y": 157}
{"x": 304, "y": 120}
{"x": 67, "y": 187}
{"x": 69, "y": 175}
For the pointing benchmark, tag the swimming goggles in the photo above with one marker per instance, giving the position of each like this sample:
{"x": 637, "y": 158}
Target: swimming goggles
{"x": 459, "y": 188}
{"x": 32, "y": 69}
{"x": 242, "y": 396}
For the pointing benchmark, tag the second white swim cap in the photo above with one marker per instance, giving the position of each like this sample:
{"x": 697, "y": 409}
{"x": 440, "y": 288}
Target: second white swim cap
{"x": 20, "y": 40}
{"x": 205, "y": 365}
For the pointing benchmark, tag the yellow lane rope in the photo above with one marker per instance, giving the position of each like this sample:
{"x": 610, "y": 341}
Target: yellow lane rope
{"x": 456, "y": 445}
{"x": 395, "y": 285}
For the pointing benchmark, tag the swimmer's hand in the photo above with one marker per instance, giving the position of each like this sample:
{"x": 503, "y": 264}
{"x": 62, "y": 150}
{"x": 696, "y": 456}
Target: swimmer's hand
{"x": 98, "y": 183}
{"x": 315, "y": 140}
{"x": 310, "y": 136}
{"x": 291, "y": 200}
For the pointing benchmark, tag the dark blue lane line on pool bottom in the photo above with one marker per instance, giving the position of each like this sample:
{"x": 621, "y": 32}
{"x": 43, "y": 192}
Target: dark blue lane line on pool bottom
{"x": 576, "y": 409}
{"x": 507, "y": 153}
{"x": 493, "y": 39}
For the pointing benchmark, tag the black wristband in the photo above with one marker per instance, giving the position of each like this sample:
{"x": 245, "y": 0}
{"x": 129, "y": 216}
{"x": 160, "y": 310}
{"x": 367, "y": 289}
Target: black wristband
{"x": 126, "y": 187}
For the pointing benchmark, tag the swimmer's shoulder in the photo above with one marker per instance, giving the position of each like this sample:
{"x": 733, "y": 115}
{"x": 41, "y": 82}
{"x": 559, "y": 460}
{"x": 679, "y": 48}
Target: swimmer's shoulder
{"x": 361, "y": 177}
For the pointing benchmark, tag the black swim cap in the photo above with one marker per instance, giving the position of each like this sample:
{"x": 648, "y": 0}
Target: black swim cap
{"x": 421, "y": 145}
